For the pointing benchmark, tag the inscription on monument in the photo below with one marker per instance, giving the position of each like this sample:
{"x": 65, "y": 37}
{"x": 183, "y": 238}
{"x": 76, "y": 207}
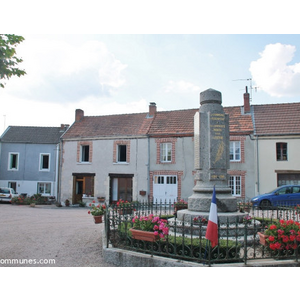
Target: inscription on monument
{"x": 217, "y": 144}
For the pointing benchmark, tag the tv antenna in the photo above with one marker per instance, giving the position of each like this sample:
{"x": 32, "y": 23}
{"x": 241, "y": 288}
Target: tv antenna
{"x": 247, "y": 79}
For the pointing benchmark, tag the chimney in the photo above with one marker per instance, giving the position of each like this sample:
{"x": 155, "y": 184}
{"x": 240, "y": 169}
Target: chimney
{"x": 64, "y": 127}
{"x": 152, "y": 109}
{"x": 79, "y": 114}
{"x": 246, "y": 102}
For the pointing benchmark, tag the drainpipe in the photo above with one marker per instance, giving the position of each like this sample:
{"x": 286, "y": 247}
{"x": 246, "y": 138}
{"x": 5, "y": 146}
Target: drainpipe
{"x": 57, "y": 171}
{"x": 60, "y": 151}
{"x": 257, "y": 167}
{"x": 148, "y": 169}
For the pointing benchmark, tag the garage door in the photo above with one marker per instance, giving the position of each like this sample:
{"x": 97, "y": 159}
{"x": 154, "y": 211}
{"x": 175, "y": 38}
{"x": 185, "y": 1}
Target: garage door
{"x": 164, "y": 188}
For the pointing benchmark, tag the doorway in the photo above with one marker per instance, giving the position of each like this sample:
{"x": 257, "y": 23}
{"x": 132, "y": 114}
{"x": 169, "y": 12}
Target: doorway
{"x": 120, "y": 187}
{"x": 83, "y": 186}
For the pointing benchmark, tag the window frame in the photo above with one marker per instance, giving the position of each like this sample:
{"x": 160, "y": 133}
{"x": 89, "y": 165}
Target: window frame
{"x": 44, "y": 188}
{"x": 85, "y": 151}
{"x": 237, "y": 184}
{"x": 41, "y": 162}
{"x": 121, "y": 153}
{"x": 234, "y": 150}
{"x": 166, "y": 149}
{"x": 280, "y": 155}
{"x": 10, "y": 154}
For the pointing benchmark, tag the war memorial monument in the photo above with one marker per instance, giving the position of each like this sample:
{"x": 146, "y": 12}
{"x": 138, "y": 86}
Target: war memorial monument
{"x": 211, "y": 155}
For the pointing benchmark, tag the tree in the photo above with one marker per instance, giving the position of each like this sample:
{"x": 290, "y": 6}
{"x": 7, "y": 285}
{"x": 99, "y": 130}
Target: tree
{"x": 8, "y": 60}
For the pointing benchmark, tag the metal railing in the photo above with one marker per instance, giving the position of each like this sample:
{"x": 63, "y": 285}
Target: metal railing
{"x": 238, "y": 241}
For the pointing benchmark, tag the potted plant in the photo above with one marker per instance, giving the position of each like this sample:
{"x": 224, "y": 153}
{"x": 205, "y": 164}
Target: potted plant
{"x": 149, "y": 228}
{"x": 281, "y": 236}
{"x": 67, "y": 202}
{"x": 180, "y": 204}
{"x": 247, "y": 219}
{"x": 97, "y": 211}
{"x": 244, "y": 206}
{"x": 200, "y": 220}
{"x": 124, "y": 207}
{"x": 101, "y": 199}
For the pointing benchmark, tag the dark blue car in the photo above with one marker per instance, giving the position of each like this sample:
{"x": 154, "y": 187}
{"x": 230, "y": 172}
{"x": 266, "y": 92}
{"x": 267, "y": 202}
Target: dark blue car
{"x": 286, "y": 195}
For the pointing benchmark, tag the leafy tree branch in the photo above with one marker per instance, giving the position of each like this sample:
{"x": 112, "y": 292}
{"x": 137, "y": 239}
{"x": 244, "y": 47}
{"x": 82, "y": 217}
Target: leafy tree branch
{"x": 8, "y": 59}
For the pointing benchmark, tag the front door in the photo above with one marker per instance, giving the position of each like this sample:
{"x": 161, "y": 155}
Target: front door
{"x": 164, "y": 188}
{"x": 82, "y": 185}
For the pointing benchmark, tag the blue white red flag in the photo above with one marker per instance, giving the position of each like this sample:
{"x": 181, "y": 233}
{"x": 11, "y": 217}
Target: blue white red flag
{"x": 212, "y": 226}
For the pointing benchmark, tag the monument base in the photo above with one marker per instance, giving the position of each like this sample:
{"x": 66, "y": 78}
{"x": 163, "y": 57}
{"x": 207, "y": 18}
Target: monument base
{"x": 187, "y": 215}
{"x": 201, "y": 200}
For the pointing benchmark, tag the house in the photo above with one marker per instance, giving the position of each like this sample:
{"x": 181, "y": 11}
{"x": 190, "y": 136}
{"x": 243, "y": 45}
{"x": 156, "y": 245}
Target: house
{"x": 146, "y": 155}
{"x": 29, "y": 159}
{"x": 105, "y": 156}
{"x": 277, "y": 144}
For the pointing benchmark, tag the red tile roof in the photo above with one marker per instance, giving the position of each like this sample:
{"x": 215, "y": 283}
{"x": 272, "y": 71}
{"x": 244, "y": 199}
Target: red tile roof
{"x": 111, "y": 125}
{"x": 176, "y": 123}
{"x": 239, "y": 123}
{"x": 276, "y": 119}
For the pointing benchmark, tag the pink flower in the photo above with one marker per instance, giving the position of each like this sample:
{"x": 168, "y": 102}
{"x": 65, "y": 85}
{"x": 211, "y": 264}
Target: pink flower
{"x": 155, "y": 232}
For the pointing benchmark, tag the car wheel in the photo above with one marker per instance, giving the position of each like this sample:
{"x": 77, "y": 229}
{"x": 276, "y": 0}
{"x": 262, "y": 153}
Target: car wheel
{"x": 265, "y": 204}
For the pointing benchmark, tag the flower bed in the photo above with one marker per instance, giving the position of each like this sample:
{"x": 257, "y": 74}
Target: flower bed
{"x": 283, "y": 235}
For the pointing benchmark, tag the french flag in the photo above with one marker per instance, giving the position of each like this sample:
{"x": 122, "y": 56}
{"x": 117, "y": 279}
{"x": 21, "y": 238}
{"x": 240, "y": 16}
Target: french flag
{"x": 212, "y": 225}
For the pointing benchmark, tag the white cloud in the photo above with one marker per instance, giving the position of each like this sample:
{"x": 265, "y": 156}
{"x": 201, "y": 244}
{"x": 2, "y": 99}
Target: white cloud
{"x": 64, "y": 72}
{"x": 180, "y": 86}
{"x": 272, "y": 73}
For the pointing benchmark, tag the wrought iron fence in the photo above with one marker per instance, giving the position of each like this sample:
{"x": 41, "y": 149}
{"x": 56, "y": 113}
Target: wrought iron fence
{"x": 238, "y": 241}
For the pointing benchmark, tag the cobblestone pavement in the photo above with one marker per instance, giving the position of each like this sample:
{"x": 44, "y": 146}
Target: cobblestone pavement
{"x": 49, "y": 236}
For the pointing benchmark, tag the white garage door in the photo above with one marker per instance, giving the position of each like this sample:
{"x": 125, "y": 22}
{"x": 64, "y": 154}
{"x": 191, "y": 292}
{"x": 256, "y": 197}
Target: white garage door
{"x": 164, "y": 188}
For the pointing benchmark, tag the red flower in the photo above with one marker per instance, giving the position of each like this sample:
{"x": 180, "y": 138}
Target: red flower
{"x": 292, "y": 238}
{"x": 285, "y": 238}
{"x": 280, "y": 232}
{"x": 89, "y": 212}
{"x": 294, "y": 246}
{"x": 273, "y": 227}
{"x": 271, "y": 238}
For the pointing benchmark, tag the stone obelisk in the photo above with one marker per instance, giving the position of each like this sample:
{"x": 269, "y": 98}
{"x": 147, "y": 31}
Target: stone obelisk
{"x": 211, "y": 138}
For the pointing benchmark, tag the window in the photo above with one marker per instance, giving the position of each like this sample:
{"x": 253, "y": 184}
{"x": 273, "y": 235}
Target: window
{"x": 12, "y": 185}
{"x": 44, "y": 162}
{"x": 166, "y": 152}
{"x": 235, "y": 185}
{"x": 85, "y": 153}
{"x": 44, "y": 188}
{"x": 281, "y": 151}
{"x": 235, "y": 150}
{"x": 13, "y": 163}
{"x": 122, "y": 153}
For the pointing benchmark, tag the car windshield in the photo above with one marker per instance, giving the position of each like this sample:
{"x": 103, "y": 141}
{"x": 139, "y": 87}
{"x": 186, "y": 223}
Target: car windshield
{"x": 273, "y": 191}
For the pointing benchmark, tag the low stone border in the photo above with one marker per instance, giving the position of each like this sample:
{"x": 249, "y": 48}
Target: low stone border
{"x": 125, "y": 258}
